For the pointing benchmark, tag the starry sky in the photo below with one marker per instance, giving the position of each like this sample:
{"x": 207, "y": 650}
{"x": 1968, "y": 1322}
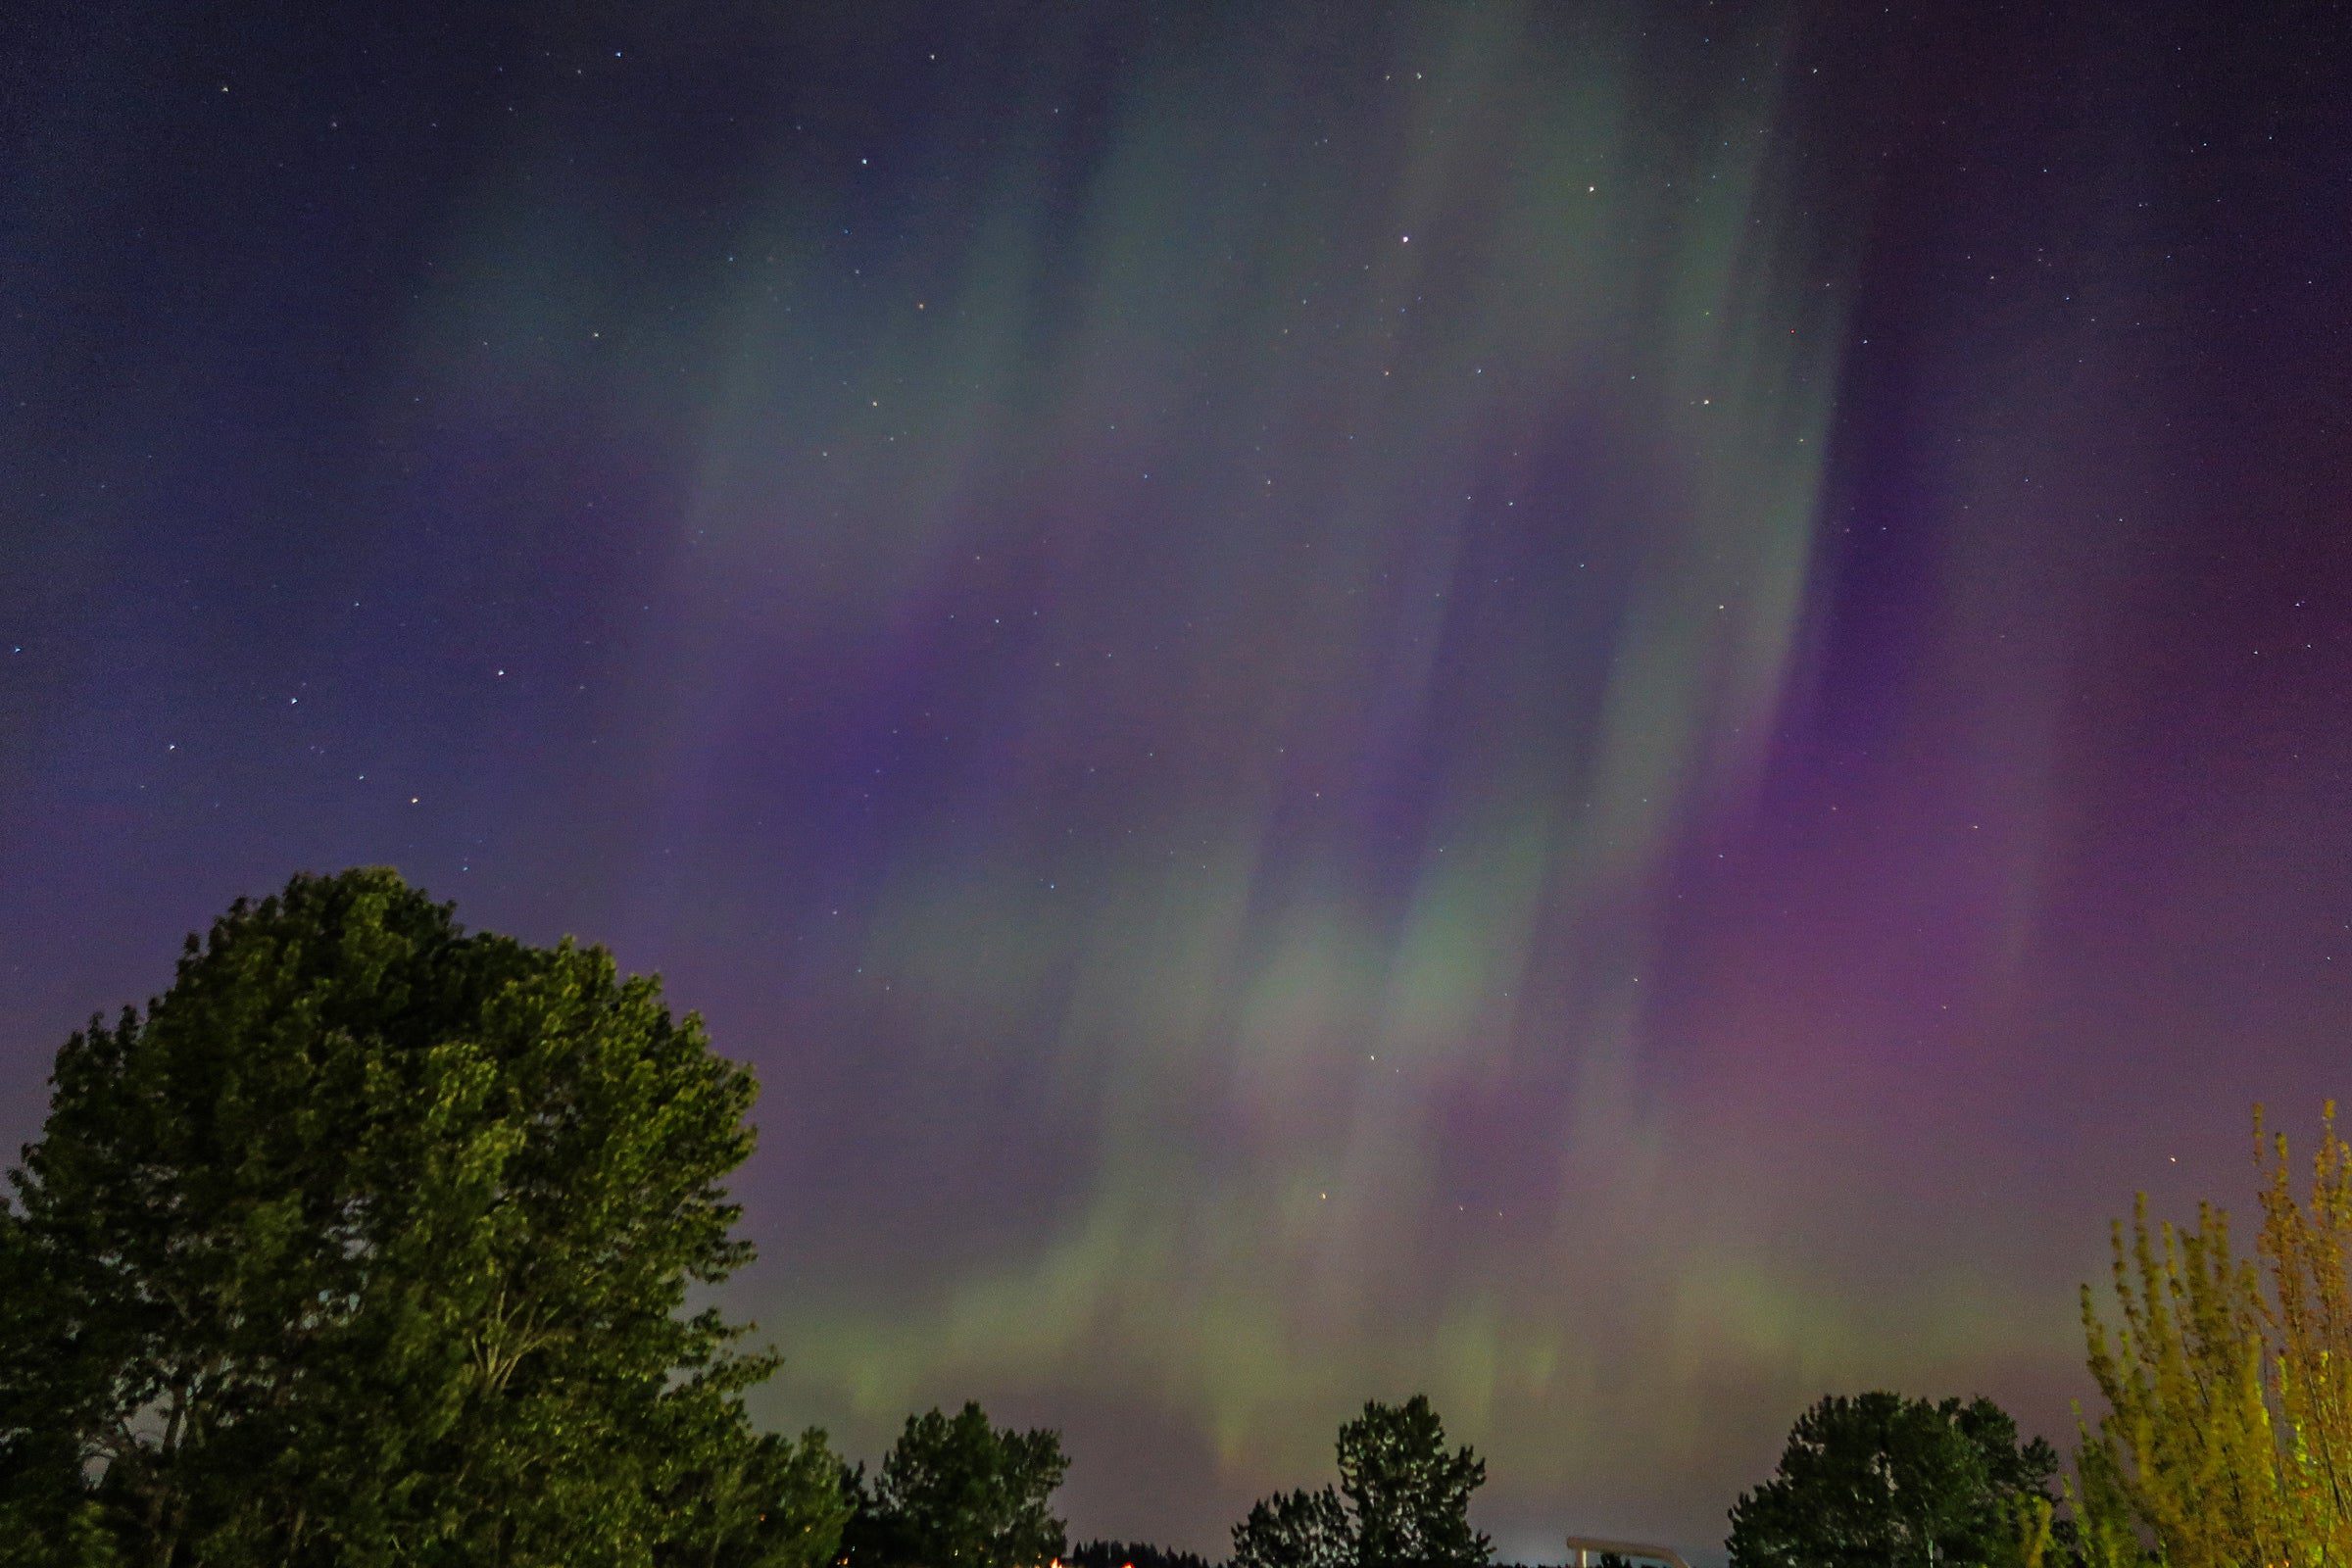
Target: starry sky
{"x": 1609, "y": 710}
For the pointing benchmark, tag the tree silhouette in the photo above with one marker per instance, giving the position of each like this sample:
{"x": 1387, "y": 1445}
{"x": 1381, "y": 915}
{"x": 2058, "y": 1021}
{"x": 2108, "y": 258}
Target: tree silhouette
{"x": 958, "y": 1492}
{"x": 1878, "y": 1481}
{"x": 1403, "y": 1499}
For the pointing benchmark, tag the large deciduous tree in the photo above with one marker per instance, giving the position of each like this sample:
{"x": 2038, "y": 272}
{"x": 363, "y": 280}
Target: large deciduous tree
{"x": 1880, "y": 1481}
{"x": 369, "y": 1242}
{"x": 1403, "y": 1499}
{"x": 956, "y": 1491}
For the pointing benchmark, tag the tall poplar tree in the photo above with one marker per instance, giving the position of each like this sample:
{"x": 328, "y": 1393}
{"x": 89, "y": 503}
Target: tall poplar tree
{"x": 369, "y": 1242}
{"x": 2228, "y": 1435}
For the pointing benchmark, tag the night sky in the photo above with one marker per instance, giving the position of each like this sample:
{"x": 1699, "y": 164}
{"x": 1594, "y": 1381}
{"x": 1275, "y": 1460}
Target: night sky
{"x": 1611, "y": 710}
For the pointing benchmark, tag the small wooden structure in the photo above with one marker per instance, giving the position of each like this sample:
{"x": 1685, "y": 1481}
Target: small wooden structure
{"x": 1582, "y": 1549}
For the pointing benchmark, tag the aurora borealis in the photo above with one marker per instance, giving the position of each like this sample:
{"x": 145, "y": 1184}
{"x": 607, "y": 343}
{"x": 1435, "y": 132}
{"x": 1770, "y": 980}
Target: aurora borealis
{"x": 1609, "y": 710}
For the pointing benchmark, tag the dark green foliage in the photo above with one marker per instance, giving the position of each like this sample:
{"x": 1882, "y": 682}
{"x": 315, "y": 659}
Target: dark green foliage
{"x": 369, "y": 1242}
{"x": 1295, "y": 1530}
{"x": 776, "y": 1502}
{"x": 958, "y": 1492}
{"x": 1409, "y": 1496}
{"x": 1131, "y": 1554}
{"x": 1403, "y": 1499}
{"x": 1878, "y": 1481}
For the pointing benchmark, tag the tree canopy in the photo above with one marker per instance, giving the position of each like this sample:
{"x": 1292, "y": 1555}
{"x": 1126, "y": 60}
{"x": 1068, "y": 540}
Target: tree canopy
{"x": 1403, "y": 1499}
{"x": 1880, "y": 1481}
{"x": 956, "y": 1491}
{"x": 369, "y": 1242}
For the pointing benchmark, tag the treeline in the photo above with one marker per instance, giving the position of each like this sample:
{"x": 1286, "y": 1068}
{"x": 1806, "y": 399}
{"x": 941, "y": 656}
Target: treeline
{"x": 369, "y": 1242}
{"x": 1131, "y": 1554}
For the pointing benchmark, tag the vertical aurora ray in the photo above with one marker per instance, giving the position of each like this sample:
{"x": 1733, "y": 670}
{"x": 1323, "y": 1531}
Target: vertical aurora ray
{"x": 1390, "y": 510}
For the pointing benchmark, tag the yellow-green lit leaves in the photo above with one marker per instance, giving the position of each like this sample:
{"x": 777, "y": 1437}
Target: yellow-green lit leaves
{"x": 2227, "y": 1433}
